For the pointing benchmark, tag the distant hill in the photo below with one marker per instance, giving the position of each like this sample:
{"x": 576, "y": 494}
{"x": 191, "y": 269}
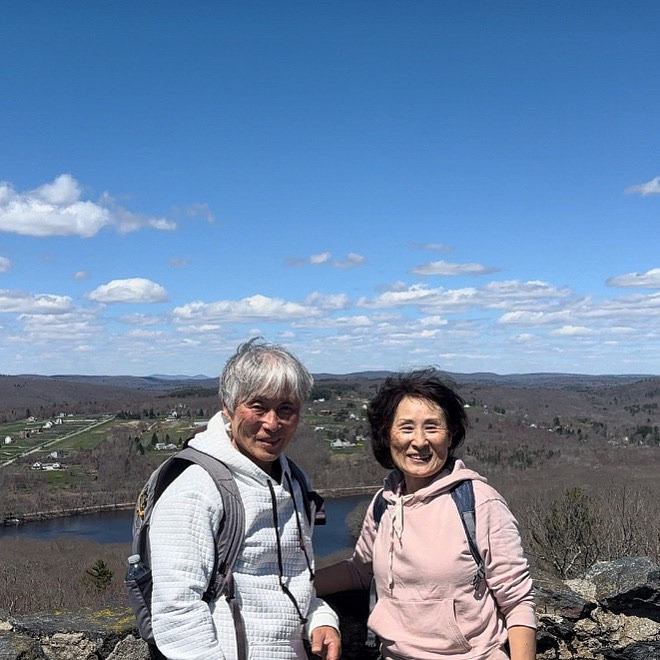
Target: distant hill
{"x": 49, "y": 395}
{"x": 180, "y": 377}
{"x": 559, "y": 380}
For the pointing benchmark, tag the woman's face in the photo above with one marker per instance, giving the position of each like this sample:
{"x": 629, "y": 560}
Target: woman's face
{"x": 419, "y": 441}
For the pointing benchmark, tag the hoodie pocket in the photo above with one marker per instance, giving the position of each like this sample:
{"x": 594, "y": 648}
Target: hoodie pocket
{"x": 428, "y": 625}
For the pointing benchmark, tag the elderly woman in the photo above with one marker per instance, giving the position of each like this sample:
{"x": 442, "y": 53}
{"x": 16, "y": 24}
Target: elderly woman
{"x": 262, "y": 389}
{"x": 429, "y": 604}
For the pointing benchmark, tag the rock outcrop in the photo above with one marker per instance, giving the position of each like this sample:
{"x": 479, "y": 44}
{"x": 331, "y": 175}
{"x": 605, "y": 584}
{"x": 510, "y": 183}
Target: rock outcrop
{"x": 612, "y": 613}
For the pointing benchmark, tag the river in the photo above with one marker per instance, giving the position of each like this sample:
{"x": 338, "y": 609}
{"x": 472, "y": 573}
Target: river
{"x": 115, "y": 526}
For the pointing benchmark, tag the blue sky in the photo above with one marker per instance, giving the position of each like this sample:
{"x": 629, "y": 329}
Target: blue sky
{"x": 377, "y": 185}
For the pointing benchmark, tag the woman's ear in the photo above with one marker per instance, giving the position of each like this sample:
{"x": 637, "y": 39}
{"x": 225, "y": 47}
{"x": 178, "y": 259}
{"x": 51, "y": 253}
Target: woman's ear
{"x": 226, "y": 414}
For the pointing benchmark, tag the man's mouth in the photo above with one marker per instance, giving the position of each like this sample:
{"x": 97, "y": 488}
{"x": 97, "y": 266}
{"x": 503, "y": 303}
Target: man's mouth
{"x": 269, "y": 441}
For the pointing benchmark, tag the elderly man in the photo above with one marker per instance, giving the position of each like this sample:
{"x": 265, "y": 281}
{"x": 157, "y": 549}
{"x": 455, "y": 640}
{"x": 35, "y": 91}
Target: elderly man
{"x": 262, "y": 389}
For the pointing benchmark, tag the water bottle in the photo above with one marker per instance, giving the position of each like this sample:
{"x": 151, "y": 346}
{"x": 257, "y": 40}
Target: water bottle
{"x": 136, "y": 569}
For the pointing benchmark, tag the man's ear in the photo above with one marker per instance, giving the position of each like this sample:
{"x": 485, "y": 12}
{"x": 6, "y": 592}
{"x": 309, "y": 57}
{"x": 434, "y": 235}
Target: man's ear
{"x": 227, "y": 415}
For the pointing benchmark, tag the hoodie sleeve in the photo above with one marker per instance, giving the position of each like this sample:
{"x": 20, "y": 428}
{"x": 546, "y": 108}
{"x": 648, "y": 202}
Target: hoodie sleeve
{"x": 183, "y": 527}
{"x": 360, "y": 564}
{"x": 320, "y": 614}
{"x": 507, "y": 570}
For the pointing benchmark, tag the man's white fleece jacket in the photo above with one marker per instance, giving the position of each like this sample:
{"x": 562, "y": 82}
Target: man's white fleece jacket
{"x": 185, "y": 523}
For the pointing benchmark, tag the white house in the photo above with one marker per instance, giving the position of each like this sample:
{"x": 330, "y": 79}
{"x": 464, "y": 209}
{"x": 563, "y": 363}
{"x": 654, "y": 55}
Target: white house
{"x": 8, "y": 440}
{"x": 341, "y": 444}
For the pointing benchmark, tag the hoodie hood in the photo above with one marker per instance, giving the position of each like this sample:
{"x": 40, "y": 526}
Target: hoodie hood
{"x": 215, "y": 441}
{"x": 453, "y": 471}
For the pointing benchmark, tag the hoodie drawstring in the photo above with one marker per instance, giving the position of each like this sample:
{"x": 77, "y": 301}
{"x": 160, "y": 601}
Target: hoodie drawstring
{"x": 280, "y": 562}
{"x": 301, "y": 539}
{"x": 396, "y": 530}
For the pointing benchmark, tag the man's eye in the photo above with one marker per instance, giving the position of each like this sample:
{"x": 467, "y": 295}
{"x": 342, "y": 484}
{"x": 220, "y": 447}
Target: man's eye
{"x": 257, "y": 407}
{"x": 287, "y": 411}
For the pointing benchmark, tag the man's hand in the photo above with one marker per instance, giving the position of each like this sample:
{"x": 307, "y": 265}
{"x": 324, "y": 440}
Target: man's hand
{"x": 326, "y": 642}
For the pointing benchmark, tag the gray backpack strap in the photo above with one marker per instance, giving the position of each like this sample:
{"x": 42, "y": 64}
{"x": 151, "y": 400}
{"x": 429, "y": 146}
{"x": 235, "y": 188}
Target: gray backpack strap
{"x": 229, "y": 540}
{"x": 463, "y": 496}
{"x": 309, "y": 496}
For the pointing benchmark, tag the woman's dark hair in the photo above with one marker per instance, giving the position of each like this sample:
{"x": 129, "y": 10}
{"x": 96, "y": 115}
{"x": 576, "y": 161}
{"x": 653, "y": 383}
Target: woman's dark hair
{"x": 421, "y": 384}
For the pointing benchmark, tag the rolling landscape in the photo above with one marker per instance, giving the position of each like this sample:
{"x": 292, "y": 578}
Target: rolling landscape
{"x": 576, "y": 457}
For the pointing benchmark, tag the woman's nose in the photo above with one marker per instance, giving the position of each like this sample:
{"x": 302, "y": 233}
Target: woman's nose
{"x": 419, "y": 438}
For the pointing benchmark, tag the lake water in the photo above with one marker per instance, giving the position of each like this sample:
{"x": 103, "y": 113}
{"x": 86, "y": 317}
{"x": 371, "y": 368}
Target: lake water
{"x": 115, "y": 526}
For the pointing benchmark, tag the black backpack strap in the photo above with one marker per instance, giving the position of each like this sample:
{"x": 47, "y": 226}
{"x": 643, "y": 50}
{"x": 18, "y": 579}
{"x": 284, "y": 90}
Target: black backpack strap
{"x": 229, "y": 540}
{"x": 380, "y": 505}
{"x": 463, "y": 496}
{"x": 309, "y": 496}
{"x": 379, "y": 508}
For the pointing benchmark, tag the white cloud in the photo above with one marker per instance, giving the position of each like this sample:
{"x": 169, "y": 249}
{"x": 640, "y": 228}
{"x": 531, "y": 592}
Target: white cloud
{"x": 433, "y": 320}
{"x": 81, "y": 275}
{"x": 140, "y": 319}
{"x": 534, "y": 318}
{"x": 5, "y": 264}
{"x": 359, "y": 321}
{"x": 253, "y": 307}
{"x": 352, "y": 260}
{"x": 178, "y": 262}
{"x": 131, "y": 290}
{"x": 322, "y": 258}
{"x": 57, "y": 209}
{"x": 447, "y": 268}
{"x": 327, "y": 300}
{"x": 494, "y": 295}
{"x": 650, "y": 279}
{"x": 436, "y": 247}
{"x": 651, "y": 187}
{"x": 57, "y": 328}
{"x": 571, "y": 331}
{"x": 201, "y": 210}
{"x": 138, "y": 333}
{"x": 30, "y": 303}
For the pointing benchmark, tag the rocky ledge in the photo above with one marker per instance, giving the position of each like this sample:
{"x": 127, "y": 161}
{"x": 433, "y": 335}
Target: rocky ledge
{"x": 612, "y": 613}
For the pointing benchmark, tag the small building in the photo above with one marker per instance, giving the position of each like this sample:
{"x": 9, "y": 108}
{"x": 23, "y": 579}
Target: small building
{"x": 8, "y": 440}
{"x": 341, "y": 444}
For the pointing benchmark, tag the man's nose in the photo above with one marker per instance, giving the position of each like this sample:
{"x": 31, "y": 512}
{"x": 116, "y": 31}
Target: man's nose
{"x": 271, "y": 421}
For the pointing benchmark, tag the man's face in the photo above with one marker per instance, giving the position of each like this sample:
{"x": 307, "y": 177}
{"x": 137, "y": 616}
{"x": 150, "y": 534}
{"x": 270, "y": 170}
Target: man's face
{"x": 262, "y": 428}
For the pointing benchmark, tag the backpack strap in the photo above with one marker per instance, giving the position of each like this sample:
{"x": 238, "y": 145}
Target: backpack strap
{"x": 380, "y": 504}
{"x": 463, "y": 496}
{"x": 309, "y": 496}
{"x": 229, "y": 539}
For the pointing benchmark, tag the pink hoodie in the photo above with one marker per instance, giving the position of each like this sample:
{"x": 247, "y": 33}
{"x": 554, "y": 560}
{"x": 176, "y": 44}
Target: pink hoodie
{"x": 427, "y": 607}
